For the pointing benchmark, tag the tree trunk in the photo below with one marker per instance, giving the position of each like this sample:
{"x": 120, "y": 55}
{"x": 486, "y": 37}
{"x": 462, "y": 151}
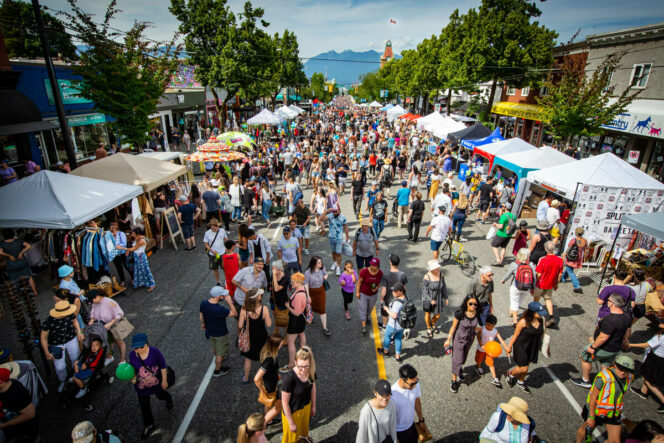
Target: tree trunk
{"x": 485, "y": 114}
{"x": 274, "y": 100}
{"x": 449, "y": 100}
{"x": 425, "y": 110}
{"x": 217, "y": 106}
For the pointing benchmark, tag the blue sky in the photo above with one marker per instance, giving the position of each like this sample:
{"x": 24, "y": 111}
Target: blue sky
{"x": 360, "y": 25}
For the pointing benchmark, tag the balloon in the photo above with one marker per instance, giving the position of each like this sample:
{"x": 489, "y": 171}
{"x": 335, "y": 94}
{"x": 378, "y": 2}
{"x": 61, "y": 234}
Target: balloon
{"x": 493, "y": 349}
{"x": 125, "y": 371}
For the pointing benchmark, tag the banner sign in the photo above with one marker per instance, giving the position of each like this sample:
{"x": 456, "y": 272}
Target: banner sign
{"x": 600, "y": 208}
{"x": 642, "y": 124}
{"x": 69, "y": 91}
{"x": 521, "y": 110}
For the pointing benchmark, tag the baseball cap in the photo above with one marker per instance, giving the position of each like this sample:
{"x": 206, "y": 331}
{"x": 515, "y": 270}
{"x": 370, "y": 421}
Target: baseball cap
{"x": 374, "y": 183}
{"x": 398, "y": 286}
{"x": 383, "y": 387}
{"x": 374, "y": 262}
{"x": 4, "y": 375}
{"x": 404, "y": 183}
{"x": 286, "y": 228}
{"x": 183, "y": 198}
{"x": 218, "y": 291}
{"x": 442, "y": 208}
{"x": 139, "y": 340}
{"x": 537, "y": 308}
{"x": 83, "y": 432}
{"x": 625, "y": 363}
{"x": 259, "y": 260}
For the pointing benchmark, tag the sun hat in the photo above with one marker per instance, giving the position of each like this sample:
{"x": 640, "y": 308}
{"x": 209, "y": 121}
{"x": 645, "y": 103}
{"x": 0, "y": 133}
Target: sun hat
{"x": 62, "y": 309}
{"x": 139, "y": 340}
{"x": 383, "y": 387}
{"x": 433, "y": 264}
{"x": 365, "y": 222}
{"x": 218, "y": 291}
{"x": 374, "y": 262}
{"x": 579, "y": 231}
{"x": 517, "y": 408}
{"x": 65, "y": 270}
{"x": 555, "y": 203}
{"x": 84, "y": 432}
{"x": 13, "y": 368}
{"x": 542, "y": 226}
{"x": 537, "y": 308}
{"x": 625, "y": 363}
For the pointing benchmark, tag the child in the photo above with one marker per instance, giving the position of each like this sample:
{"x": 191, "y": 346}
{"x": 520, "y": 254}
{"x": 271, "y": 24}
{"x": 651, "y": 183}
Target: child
{"x": 85, "y": 366}
{"x": 347, "y": 280}
{"x": 230, "y": 263}
{"x": 487, "y": 334}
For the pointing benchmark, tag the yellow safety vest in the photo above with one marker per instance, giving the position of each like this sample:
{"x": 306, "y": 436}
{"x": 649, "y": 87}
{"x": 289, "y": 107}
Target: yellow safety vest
{"x": 610, "y": 402}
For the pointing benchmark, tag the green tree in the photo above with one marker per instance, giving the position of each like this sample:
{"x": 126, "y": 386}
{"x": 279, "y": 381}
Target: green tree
{"x": 287, "y": 69}
{"x": 319, "y": 89}
{"x": 579, "y": 104}
{"x": 124, "y": 80}
{"x": 227, "y": 53}
{"x": 19, "y": 28}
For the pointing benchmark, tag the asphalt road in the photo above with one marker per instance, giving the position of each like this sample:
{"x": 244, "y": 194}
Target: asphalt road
{"x": 346, "y": 361}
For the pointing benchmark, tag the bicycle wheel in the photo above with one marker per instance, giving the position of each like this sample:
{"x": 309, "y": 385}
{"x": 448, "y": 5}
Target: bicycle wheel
{"x": 466, "y": 263}
{"x": 445, "y": 252}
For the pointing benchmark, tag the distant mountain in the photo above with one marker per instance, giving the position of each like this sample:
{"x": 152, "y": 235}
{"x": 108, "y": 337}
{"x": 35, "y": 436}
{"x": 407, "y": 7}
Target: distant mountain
{"x": 345, "y": 67}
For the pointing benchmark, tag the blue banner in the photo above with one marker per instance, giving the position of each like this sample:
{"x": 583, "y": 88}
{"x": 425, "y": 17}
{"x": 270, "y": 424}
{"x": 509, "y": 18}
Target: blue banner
{"x": 491, "y": 138}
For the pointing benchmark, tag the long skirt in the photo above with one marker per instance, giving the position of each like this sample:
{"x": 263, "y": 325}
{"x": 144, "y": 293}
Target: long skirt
{"x": 301, "y": 419}
{"x": 317, "y": 299}
{"x": 434, "y": 189}
{"x": 142, "y": 274}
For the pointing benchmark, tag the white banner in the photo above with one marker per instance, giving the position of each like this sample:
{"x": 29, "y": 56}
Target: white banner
{"x": 600, "y": 208}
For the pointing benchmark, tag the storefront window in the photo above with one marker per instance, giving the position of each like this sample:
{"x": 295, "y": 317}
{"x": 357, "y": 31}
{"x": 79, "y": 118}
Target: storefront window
{"x": 656, "y": 166}
{"x": 48, "y": 147}
{"x": 518, "y": 128}
{"x": 9, "y": 149}
{"x": 88, "y": 138}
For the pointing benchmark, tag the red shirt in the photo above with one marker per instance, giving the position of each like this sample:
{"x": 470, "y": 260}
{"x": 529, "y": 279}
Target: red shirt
{"x": 550, "y": 266}
{"x": 370, "y": 282}
{"x": 231, "y": 264}
{"x": 372, "y": 159}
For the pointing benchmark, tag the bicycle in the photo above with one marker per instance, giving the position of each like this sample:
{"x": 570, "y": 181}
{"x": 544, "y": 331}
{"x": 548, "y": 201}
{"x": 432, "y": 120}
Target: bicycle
{"x": 463, "y": 258}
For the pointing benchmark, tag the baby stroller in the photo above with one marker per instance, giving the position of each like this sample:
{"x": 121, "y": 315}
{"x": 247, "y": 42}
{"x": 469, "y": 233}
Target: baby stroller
{"x": 99, "y": 374}
{"x": 278, "y": 207}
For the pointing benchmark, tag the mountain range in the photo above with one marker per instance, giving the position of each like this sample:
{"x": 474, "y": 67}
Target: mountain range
{"x": 345, "y": 67}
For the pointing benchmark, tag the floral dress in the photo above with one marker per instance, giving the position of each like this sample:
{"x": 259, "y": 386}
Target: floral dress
{"x": 142, "y": 274}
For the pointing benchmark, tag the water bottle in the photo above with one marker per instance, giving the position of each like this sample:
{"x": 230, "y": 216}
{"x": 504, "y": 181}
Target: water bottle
{"x": 448, "y": 350}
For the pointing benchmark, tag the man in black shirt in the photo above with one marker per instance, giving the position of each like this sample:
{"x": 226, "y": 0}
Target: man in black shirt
{"x": 415, "y": 217}
{"x": 356, "y": 191}
{"x": 18, "y": 417}
{"x": 611, "y": 332}
{"x": 486, "y": 194}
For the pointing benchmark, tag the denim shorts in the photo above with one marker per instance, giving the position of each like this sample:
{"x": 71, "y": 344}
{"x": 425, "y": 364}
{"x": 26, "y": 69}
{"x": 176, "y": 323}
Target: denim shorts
{"x": 336, "y": 246}
{"x": 435, "y": 245}
{"x": 187, "y": 230}
{"x": 84, "y": 374}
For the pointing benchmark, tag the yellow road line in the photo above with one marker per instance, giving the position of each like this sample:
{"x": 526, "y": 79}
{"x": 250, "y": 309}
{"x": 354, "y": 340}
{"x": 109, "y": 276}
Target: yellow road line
{"x": 380, "y": 361}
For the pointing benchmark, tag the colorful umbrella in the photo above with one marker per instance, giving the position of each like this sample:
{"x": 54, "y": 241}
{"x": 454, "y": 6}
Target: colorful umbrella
{"x": 223, "y": 156}
{"x": 212, "y": 145}
{"x": 235, "y": 139}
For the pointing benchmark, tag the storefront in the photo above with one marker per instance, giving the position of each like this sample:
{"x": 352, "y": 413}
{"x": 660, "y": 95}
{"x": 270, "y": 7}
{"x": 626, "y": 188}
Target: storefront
{"x": 523, "y": 120}
{"x": 89, "y": 128}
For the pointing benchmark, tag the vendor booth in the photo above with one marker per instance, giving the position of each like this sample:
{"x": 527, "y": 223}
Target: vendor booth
{"x": 469, "y": 133}
{"x": 520, "y": 164}
{"x": 285, "y": 113}
{"x": 375, "y": 104}
{"x": 492, "y": 150}
{"x": 387, "y": 107}
{"x": 492, "y": 138}
{"x": 265, "y": 117}
{"x": 395, "y": 112}
{"x": 442, "y": 128}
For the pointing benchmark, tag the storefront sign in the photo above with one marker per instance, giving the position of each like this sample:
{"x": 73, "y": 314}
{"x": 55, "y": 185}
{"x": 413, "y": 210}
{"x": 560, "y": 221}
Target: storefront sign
{"x": 69, "y": 90}
{"x": 600, "y": 208}
{"x": 88, "y": 119}
{"x": 521, "y": 110}
{"x": 641, "y": 124}
{"x": 633, "y": 157}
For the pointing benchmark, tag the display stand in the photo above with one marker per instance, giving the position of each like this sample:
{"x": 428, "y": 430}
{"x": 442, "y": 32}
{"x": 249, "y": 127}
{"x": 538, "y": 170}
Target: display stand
{"x": 170, "y": 219}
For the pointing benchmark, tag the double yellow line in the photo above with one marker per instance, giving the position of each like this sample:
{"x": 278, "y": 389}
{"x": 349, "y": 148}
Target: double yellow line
{"x": 380, "y": 360}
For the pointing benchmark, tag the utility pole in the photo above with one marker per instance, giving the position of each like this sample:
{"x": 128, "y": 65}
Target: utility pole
{"x": 55, "y": 88}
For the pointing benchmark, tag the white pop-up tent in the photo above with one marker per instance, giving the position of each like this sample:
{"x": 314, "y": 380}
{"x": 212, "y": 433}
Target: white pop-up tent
{"x": 395, "y": 112}
{"x": 375, "y": 104}
{"x": 285, "y": 113}
{"x": 297, "y": 109}
{"x": 423, "y": 123}
{"x": 444, "y": 126}
{"x": 265, "y": 117}
{"x": 52, "y": 200}
{"x": 600, "y": 170}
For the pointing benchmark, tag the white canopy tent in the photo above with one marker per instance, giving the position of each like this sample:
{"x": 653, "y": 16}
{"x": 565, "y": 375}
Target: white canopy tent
{"x": 285, "y": 113}
{"x": 387, "y": 107}
{"x": 395, "y": 112}
{"x": 444, "y": 126}
{"x": 52, "y": 200}
{"x": 600, "y": 170}
{"x": 265, "y": 117}
{"x": 463, "y": 118}
{"x": 425, "y": 121}
{"x": 297, "y": 109}
{"x": 163, "y": 156}
{"x": 375, "y": 104}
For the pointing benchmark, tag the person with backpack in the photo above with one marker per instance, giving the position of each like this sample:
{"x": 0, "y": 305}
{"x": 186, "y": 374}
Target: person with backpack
{"x": 506, "y": 227}
{"x": 395, "y": 326}
{"x": 548, "y": 269}
{"x": 510, "y": 420}
{"x": 523, "y": 281}
{"x": 573, "y": 258}
{"x": 365, "y": 244}
{"x": 465, "y": 326}
{"x": 434, "y": 296}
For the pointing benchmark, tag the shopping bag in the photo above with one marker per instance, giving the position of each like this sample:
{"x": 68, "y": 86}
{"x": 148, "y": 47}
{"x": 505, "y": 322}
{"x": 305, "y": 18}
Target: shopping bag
{"x": 423, "y": 432}
{"x": 347, "y": 249}
{"x": 492, "y": 233}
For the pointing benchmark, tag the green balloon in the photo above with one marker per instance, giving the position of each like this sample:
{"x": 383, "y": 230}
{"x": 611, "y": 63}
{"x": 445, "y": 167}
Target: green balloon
{"x": 125, "y": 371}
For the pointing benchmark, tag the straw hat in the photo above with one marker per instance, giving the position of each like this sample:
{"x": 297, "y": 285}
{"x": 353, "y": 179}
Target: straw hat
{"x": 13, "y": 368}
{"x": 517, "y": 408}
{"x": 365, "y": 222}
{"x": 62, "y": 309}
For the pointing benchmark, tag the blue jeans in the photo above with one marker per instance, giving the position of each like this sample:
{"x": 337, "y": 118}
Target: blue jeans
{"x": 485, "y": 309}
{"x": 237, "y": 213}
{"x": 265, "y": 209}
{"x": 378, "y": 226}
{"x": 390, "y": 333}
{"x": 572, "y": 276}
{"x": 457, "y": 223}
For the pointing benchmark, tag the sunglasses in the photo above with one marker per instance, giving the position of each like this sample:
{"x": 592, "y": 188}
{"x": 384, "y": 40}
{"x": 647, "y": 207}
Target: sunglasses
{"x": 410, "y": 385}
{"x": 472, "y": 304}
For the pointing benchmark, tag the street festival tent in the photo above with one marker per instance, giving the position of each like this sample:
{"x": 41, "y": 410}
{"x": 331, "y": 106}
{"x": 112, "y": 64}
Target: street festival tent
{"x": 493, "y": 138}
{"x": 463, "y": 118}
{"x": 52, "y": 200}
{"x": 504, "y": 147}
{"x": 395, "y": 112}
{"x": 651, "y": 224}
{"x": 375, "y": 104}
{"x": 297, "y": 109}
{"x": 426, "y": 121}
{"x": 265, "y": 117}
{"x": 387, "y": 107}
{"x": 470, "y": 133}
{"x": 285, "y": 113}
{"x": 443, "y": 127}
{"x": 132, "y": 170}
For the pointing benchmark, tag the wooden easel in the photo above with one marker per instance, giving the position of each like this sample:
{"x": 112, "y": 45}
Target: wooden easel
{"x": 170, "y": 219}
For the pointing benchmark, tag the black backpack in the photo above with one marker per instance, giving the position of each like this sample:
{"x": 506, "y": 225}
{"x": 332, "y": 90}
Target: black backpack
{"x": 407, "y": 315}
{"x": 573, "y": 252}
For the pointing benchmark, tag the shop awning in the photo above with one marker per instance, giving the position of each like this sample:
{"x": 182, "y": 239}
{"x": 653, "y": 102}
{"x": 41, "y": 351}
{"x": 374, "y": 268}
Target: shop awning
{"x": 24, "y": 128}
{"x": 651, "y": 224}
{"x": 52, "y": 200}
{"x": 131, "y": 169}
{"x": 521, "y": 110}
{"x": 642, "y": 117}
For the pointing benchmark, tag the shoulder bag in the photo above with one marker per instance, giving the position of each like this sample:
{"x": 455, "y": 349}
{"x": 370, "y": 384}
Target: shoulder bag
{"x": 546, "y": 343}
{"x": 243, "y": 342}
{"x": 121, "y": 329}
{"x": 388, "y": 437}
{"x": 170, "y": 372}
{"x": 280, "y": 315}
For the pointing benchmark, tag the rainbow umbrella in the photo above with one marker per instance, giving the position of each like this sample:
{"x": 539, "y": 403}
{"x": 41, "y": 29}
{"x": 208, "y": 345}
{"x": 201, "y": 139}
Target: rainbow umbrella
{"x": 212, "y": 145}
{"x": 235, "y": 139}
{"x": 219, "y": 156}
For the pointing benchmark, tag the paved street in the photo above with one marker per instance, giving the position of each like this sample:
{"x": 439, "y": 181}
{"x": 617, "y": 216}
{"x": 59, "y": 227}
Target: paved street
{"x": 346, "y": 361}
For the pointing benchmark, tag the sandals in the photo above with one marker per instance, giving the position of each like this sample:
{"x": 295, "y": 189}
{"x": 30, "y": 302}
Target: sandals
{"x": 430, "y": 333}
{"x": 435, "y": 330}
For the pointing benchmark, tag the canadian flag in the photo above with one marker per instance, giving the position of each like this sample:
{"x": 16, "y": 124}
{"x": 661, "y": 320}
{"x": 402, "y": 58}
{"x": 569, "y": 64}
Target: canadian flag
{"x": 393, "y": 21}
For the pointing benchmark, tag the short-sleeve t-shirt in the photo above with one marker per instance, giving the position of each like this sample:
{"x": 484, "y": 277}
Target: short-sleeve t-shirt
{"x": 479, "y": 291}
{"x": 418, "y": 209}
{"x": 379, "y": 209}
{"x": 404, "y": 399}
{"x": 218, "y": 244}
{"x": 504, "y": 221}
{"x": 281, "y": 296}
{"x": 187, "y": 212}
{"x": 656, "y": 344}
{"x": 300, "y": 391}
{"x": 71, "y": 285}
{"x": 271, "y": 376}
{"x": 625, "y": 292}
{"x": 147, "y": 381}
{"x": 12, "y": 402}
{"x": 485, "y": 192}
{"x": 441, "y": 225}
{"x": 370, "y": 282}
{"x": 301, "y": 214}
{"x": 288, "y": 249}
{"x": 336, "y": 226}
{"x": 403, "y": 196}
{"x": 60, "y": 330}
{"x": 211, "y": 199}
{"x": 550, "y": 266}
{"x": 615, "y": 326}
{"x": 214, "y": 317}
{"x": 389, "y": 279}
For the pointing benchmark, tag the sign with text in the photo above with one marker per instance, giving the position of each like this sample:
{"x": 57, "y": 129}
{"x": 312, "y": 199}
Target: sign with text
{"x": 69, "y": 90}
{"x": 642, "y": 124}
{"x": 600, "y": 208}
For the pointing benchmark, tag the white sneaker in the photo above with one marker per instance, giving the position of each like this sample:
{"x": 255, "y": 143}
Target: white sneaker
{"x": 109, "y": 360}
{"x": 338, "y": 270}
{"x": 81, "y": 393}
{"x": 306, "y": 251}
{"x": 334, "y": 266}
{"x": 61, "y": 387}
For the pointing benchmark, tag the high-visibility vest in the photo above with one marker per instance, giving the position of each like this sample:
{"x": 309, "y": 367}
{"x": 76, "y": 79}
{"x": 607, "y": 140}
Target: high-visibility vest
{"x": 610, "y": 402}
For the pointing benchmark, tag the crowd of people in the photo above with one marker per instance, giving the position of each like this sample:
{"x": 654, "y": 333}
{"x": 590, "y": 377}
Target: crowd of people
{"x": 268, "y": 300}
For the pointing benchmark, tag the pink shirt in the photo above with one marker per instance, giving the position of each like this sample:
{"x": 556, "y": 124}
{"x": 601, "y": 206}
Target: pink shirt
{"x": 106, "y": 310}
